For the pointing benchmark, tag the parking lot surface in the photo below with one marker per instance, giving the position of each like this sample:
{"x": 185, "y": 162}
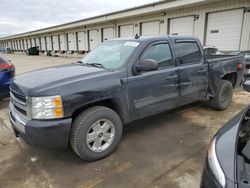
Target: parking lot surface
{"x": 165, "y": 150}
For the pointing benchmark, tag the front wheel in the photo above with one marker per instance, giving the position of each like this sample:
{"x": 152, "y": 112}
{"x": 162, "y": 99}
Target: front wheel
{"x": 223, "y": 96}
{"x": 95, "y": 133}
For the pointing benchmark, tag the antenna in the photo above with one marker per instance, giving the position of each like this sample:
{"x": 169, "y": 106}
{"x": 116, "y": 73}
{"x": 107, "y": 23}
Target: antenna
{"x": 137, "y": 36}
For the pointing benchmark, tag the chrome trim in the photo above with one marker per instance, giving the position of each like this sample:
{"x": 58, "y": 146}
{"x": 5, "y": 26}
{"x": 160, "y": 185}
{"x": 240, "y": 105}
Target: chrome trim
{"x": 18, "y": 120}
{"x": 16, "y": 99}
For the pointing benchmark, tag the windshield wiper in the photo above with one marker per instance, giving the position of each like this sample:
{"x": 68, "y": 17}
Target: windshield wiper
{"x": 96, "y": 65}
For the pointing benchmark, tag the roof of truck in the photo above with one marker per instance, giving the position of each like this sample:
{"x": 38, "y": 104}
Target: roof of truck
{"x": 146, "y": 38}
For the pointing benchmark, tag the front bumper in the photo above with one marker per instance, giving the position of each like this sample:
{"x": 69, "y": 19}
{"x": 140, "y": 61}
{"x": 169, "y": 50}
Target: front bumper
{"x": 47, "y": 133}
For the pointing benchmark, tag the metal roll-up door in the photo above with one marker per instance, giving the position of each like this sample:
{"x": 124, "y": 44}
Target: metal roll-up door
{"x": 14, "y": 45}
{"x": 17, "y": 45}
{"x": 182, "y": 26}
{"x": 224, "y": 29}
{"x": 20, "y": 44}
{"x": 43, "y": 45}
{"x": 71, "y": 41}
{"x": 37, "y": 42}
{"x": 150, "y": 28}
{"x": 81, "y": 41}
{"x": 126, "y": 30}
{"x": 55, "y": 42}
{"x": 33, "y": 42}
{"x": 48, "y": 43}
{"x": 28, "y": 43}
{"x": 93, "y": 39}
{"x": 107, "y": 33}
{"x": 25, "y": 44}
{"x": 62, "y": 42}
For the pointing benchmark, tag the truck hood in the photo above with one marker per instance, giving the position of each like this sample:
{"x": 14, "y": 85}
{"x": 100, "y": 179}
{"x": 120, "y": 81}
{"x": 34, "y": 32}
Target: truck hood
{"x": 53, "y": 77}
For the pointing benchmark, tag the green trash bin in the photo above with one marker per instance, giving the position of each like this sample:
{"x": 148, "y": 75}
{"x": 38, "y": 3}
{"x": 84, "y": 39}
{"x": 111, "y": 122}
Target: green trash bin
{"x": 33, "y": 51}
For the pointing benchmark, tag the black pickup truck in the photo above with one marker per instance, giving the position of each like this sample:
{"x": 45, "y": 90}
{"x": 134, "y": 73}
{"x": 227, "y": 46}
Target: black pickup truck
{"x": 87, "y": 103}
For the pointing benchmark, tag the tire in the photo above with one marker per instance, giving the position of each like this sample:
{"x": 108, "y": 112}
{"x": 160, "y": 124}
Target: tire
{"x": 91, "y": 121}
{"x": 223, "y": 96}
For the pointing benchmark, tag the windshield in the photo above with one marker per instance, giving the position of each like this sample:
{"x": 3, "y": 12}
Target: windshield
{"x": 111, "y": 54}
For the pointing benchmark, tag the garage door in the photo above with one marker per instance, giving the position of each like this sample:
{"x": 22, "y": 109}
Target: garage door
{"x": 37, "y": 42}
{"x": 182, "y": 26}
{"x": 150, "y": 28}
{"x": 81, "y": 41}
{"x": 29, "y": 43}
{"x": 71, "y": 42}
{"x": 126, "y": 31}
{"x": 48, "y": 43}
{"x": 43, "y": 45}
{"x": 33, "y": 42}
{"x": 55, "y": 42}
{"x": 62, "y": 42}
{"x": 22, "y": 41}
{"x": 93, "y": 39}
{"x": 25, "y": 44}
{"x": 107, "y": 33}
{"x": 224, "y": 29}
{"x": 17, "y": 45}
{"x": 20, "y": 45}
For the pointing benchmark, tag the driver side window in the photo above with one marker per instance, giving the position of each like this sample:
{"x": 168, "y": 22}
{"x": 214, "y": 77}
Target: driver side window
{"x": 161, "y": 53}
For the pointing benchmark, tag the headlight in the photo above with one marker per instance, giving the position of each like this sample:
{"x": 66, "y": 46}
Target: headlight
{"x": 214, "y": 164}
{"x": 46, "y": 107}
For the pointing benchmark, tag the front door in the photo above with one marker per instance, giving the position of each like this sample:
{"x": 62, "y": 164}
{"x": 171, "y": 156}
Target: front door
{"x": 155, "y": 91}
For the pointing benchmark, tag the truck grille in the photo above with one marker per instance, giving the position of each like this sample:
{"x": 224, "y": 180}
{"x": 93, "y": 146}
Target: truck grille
{"x": 19, "y": 102}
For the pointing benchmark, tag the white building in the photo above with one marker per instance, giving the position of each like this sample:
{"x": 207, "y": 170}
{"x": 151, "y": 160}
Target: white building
{"x": 221, "y": 23}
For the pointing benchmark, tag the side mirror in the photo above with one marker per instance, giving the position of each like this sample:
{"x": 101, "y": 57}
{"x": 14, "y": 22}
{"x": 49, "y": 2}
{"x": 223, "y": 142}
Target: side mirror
{"x": 246, "y": 85}
{"x": 146, "y": 65}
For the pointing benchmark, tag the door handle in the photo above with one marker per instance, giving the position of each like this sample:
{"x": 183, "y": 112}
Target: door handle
{"x": 202, "y": 71}
{"x": 174, "y": 76}
{"x": 185, "y": 83}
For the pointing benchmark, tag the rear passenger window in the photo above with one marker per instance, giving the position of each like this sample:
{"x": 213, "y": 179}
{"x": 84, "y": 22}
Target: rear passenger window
{"x": 161, "y": 53}
{"x": 188, "y": 52}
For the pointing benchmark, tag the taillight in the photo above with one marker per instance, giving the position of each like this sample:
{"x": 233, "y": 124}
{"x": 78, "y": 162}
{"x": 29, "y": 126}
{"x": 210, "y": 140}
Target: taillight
{"x": 6, "y": 66}
{"x": 239, "y": 66}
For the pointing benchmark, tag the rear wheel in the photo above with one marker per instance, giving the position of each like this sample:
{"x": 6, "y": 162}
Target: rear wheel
{"x": 95, "y": 133}
{"x": 223, "y": 96}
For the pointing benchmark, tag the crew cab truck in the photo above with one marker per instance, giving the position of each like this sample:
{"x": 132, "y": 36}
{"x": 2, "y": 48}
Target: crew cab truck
{"x": 86, "y": 104}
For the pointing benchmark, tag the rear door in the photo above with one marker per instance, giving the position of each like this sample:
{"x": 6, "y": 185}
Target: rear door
{"x": 193, "y": 71}
{"x": 154, "y": 91}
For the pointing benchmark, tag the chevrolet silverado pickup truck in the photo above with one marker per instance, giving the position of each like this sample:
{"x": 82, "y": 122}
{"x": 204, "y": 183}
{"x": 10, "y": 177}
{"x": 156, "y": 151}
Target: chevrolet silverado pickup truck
{"x": 86, "y": 104}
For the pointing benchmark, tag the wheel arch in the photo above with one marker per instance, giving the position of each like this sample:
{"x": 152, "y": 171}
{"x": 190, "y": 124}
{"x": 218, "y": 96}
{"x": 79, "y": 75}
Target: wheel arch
{"x": 112, "y": 103}
{"x": 231, "y": 77}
